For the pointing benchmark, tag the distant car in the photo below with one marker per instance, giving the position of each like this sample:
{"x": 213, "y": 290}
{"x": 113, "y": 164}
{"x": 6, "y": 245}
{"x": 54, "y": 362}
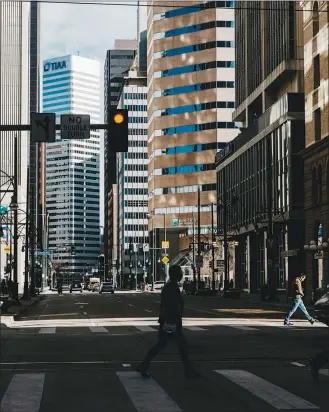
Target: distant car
{"x": 321, "y": 309}
{"x": 106, "y": 287}
{"x": 76, "y": 285}
{"x": 95, "y": 287}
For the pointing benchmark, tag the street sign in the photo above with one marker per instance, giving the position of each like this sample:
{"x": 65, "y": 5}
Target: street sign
{"x": 318, "y": 255}
{"x": 6, "y": 249}
{"x": 165, "y": 244}
{"x": 289, "y": 253}
{"x": 175, "y": 222}
{"x": 146, "y": 247}
{"x": 199, "y": 261}
{"x": 75, "y": 126}
{"x": 165, "y": 260}
{"x": 43, "y": 127}
{"x": 3, "y": 209}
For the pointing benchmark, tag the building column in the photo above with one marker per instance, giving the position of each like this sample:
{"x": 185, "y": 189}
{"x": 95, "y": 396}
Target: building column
{"x": 253, "y": 270}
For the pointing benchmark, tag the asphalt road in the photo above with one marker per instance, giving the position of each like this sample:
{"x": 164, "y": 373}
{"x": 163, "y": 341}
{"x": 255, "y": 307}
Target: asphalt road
{"x": 57, "y": 357}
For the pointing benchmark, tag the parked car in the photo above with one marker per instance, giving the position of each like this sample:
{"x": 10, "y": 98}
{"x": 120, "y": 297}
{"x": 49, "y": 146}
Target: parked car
{"x": 321, "y": 309}
{"x": 76, "y": 285}
{"x": 106, "y": 287}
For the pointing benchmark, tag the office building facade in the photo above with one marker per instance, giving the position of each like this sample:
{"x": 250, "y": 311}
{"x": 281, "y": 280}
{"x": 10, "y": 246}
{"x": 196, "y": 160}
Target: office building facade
{"x": 132, "y": 177}
{"x": 190, "y": 104}
{"x": 117, "y": 64}
{"x": 14, "y": 109}
{"x": 71, "y": 85}
{"x": 258, "y": 173}
{"x": 316, "y": 154}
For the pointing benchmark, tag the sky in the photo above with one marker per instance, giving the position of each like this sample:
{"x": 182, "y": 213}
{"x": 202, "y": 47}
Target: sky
{"x": 89, "y": 30}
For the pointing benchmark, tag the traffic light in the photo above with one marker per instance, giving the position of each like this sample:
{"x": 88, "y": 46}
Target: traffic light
{"x": 118, "y": 130}
{"x": 73, "y": 250}
{"x": 131, "y": 249}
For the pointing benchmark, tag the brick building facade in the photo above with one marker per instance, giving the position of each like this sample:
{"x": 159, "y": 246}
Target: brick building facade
{"x": 316, "y": 153}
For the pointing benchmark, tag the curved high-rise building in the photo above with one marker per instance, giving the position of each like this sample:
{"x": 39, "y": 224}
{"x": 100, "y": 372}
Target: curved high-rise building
{"x": 190, "y": 104}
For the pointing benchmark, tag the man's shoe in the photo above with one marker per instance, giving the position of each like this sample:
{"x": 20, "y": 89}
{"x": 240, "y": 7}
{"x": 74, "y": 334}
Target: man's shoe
{"x": 314, "y": 370}
{"x": 312, "y": 321}
{"x": 288, "y": 324}
{"x": 143, "y": 372}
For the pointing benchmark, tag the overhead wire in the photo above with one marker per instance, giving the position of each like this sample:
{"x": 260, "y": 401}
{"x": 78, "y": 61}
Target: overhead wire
{"x": 153, "y": 3}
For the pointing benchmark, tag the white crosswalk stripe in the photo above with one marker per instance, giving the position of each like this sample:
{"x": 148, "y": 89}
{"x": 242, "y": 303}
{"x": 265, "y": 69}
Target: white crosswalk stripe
{"x": 146, "y": 394}
{"x": 47, "y": 331}
{"x": 145, "y": 328}
{"x": 28, "y": 392}
{"x": 243, "y": 327}
{"x": 98, "y": 329}
{"x": 24, "y": 393}
{"x": 277, "y": 397}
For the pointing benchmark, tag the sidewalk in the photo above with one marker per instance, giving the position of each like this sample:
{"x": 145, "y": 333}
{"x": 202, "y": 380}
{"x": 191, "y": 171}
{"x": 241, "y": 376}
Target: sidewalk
{"x": 14, "y": 310}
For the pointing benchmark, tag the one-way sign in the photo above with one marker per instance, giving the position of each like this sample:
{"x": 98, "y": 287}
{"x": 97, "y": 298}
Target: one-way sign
{"x": 75, "y": 126}
{"x": 43, "y": 127}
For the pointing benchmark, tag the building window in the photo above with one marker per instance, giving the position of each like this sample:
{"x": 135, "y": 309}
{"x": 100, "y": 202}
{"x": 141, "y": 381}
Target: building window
{"x": 314, "y": 187}
{"x": 317, "y": 125}
{"x": 319, "y": 185}
{"x": 316, "y": 71}
{"x": 315, "y": 17}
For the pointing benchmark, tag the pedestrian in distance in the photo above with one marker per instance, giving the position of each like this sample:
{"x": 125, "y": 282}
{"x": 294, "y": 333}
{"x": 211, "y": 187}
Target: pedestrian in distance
{"x": 297, "y": 302}
{"x": 170, "y": 320}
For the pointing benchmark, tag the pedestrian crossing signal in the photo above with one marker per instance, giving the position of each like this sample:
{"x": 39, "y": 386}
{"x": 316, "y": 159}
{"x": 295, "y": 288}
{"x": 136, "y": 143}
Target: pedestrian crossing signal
{"x": 73, "y": 250}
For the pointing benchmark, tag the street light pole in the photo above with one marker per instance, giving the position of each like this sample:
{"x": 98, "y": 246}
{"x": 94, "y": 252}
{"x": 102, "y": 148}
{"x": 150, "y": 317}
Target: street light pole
{"x": 15, "y": 207}
{"x": 226, "y": 262}
{"x": 213, "y": 247}
{"x": 199, "y": 239}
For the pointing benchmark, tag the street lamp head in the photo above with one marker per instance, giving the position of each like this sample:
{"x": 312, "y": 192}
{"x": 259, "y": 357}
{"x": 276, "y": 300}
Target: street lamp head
{"x": 306, "y": 247}
{"x": 313, "y": 247}
{"x": 325, "y": 245}
{"x": 312, "y": 242}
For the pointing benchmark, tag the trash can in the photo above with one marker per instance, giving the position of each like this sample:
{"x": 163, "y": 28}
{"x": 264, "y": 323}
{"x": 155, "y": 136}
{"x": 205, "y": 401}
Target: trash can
{"x": 263, "y": 292}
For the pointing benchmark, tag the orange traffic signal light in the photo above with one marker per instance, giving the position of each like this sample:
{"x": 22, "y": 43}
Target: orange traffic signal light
{"x": 118, "y": 130}
{"x": 118, "y": 118}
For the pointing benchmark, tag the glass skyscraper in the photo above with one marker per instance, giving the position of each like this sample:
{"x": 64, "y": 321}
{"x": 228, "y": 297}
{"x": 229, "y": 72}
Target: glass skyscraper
{"x": 71, "y": 84}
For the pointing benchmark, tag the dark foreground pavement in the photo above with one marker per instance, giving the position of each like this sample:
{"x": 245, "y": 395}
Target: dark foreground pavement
{"x": 75, "y": 368}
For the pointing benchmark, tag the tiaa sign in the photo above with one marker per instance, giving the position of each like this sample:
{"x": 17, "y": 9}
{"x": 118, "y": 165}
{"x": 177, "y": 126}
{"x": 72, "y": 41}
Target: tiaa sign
{"x": 54, "y": 66}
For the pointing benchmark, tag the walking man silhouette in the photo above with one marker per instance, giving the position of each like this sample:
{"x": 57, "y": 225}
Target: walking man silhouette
{"x": 170, "y": 320}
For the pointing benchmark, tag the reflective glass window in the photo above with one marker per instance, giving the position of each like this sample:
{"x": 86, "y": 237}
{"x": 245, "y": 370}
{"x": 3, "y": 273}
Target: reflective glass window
{"x": 197, "y": 87}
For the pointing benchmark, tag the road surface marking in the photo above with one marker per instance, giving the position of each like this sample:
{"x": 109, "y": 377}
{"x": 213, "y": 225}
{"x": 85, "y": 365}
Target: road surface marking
{"x": 297, "y": 364}
{"x": 98, "y": 329}
{"x": 146, "y": 394}
{"x": 126, "y": 365}
{"x": 194, "y": 328}
{"x": 145, "y": 328}
{"x": 242, "y": 327}
{"x": 46, "y": 331}
{"x": 81, "y": 303}
{"x": 275, "y": 396}
{"x": 324, "y": 372}
{"x": 24, "y": 393}
{"x": 85, "y": 313}
{"x": 131, "y": 304}
{"x": 146, "y": 310}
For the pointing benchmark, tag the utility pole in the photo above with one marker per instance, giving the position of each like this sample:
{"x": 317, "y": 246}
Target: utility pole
{"x": 213, "y": 247}
{"x": 26, "y": 295}
{"x": 270, "y": 243}
{"x": 226, "y": 256}
{"x": 199, "y": 239}
{"x": 193, "y": 251}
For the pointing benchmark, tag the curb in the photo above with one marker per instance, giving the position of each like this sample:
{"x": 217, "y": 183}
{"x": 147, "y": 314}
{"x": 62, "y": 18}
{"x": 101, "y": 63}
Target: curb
{"x": 37, "y": 300}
